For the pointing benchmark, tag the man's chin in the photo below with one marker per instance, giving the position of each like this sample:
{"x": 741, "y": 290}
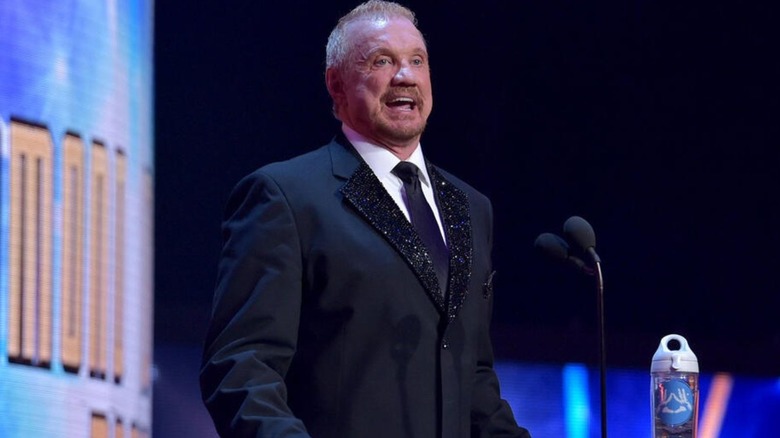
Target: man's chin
{"x": 402, "y": 134}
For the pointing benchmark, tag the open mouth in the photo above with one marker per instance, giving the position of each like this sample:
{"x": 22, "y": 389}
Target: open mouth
{"x": 401, "y": 103}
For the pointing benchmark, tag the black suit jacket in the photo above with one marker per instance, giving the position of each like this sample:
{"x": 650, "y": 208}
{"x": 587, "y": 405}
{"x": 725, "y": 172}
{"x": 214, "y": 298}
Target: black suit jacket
{"x": 327, "y": 317}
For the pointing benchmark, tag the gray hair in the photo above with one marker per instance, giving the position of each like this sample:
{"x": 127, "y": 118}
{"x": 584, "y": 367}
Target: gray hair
{"x": 339, "y": 46}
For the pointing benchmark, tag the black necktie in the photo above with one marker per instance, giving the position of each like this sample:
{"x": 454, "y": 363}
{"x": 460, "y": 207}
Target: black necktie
{"x": 423, "y": 220}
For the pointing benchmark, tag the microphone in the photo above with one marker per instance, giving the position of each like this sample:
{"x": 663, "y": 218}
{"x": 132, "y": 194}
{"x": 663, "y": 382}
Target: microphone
{"x": 579, "y": 232}
{"x": 556, "y": 248}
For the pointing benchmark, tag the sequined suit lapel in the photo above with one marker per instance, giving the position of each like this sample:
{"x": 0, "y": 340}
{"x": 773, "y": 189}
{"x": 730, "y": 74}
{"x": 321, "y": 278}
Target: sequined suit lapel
{"x": 453, "y": 207}
{"x": 368, "y": 196}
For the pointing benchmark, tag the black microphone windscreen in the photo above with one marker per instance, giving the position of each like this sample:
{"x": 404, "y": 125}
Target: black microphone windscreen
{"x": 552, "y": 246}
{"x": 555, "y": 247}
{"x": 579, "y": 231}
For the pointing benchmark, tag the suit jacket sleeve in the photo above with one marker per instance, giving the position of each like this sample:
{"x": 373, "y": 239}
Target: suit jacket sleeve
{"x": 252, "y": 335}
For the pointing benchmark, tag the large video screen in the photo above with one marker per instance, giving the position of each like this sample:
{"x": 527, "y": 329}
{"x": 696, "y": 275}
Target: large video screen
{"x": 76, "y": 196}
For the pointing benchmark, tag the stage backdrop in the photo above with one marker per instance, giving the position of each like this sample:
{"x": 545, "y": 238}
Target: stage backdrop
{"x": 76, "y": 198}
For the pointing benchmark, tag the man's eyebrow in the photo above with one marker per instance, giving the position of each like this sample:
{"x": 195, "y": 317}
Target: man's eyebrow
{"x": 421, "y": 51}
{"x": 376, "y": 50}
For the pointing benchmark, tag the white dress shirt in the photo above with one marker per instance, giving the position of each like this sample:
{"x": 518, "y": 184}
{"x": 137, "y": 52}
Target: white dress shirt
{"x": 382, "y": 161}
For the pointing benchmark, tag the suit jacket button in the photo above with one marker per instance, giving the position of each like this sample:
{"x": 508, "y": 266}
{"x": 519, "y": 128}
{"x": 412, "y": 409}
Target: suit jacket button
{"x": 444, "y": 344}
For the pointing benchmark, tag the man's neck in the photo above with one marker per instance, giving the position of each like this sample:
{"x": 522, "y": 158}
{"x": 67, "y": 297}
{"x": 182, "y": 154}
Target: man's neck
{"x": 402, "y": 151}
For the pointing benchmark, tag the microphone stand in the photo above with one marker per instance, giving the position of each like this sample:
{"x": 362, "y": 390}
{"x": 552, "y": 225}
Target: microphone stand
{"x": 602, "y": 346}
{"x": 578, "y": 230}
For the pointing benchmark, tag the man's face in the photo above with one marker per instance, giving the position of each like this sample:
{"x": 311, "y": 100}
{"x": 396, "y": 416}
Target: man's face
{"x": 384, "y": 90}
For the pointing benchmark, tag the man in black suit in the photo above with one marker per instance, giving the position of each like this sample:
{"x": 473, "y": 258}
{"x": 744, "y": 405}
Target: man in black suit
{"x": 334, "y": 315}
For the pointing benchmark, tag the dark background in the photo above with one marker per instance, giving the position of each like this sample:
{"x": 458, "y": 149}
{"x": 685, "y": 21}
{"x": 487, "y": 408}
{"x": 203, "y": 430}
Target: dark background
{"x": 654, "y": 120}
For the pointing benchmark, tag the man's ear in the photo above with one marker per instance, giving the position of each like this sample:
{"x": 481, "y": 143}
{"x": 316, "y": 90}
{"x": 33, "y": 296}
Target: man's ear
{"x": 334, "y": 83}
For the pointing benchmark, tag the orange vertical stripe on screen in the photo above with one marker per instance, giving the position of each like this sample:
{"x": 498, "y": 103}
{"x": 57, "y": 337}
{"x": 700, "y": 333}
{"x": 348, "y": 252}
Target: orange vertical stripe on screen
{"x": 716, "y": 404}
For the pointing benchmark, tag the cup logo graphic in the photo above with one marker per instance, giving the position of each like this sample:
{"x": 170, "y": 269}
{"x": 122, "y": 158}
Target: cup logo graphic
{"x": 674, "y": 402}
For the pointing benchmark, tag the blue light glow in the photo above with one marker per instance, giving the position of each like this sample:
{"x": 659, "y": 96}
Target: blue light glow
{"x": 576, "y": 405}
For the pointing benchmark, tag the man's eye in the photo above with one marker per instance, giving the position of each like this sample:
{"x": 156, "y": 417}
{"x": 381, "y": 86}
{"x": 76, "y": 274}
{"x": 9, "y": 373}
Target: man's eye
{"x": 417, "y": 62}
{"x": 382, "y": 61}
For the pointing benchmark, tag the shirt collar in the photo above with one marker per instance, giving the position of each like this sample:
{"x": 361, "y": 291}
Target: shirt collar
{"x": 382, "y": 161}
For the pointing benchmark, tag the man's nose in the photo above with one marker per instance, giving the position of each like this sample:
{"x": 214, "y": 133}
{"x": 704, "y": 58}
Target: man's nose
{"x": 405, "y": 75}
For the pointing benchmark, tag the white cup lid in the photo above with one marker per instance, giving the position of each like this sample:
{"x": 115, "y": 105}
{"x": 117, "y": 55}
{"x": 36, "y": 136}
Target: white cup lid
{"x": 681, "y": 360}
